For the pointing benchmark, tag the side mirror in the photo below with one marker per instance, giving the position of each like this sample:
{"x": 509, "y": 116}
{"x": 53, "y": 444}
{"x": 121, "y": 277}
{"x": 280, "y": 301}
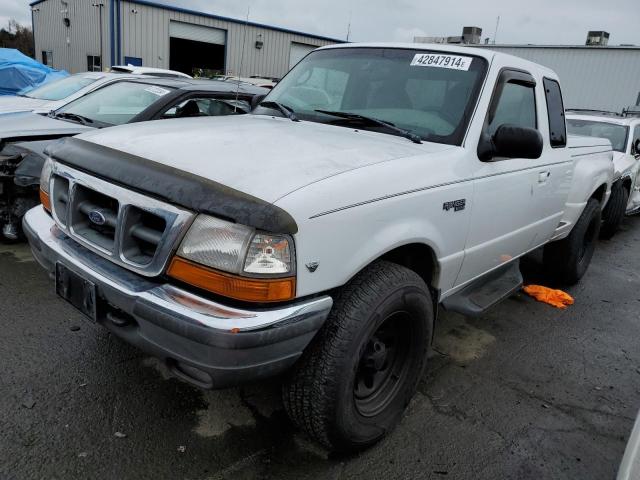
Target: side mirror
{"x": 256, "y": 99}
{"x": 511, "y": 141}
{"x": 636, "y": 146}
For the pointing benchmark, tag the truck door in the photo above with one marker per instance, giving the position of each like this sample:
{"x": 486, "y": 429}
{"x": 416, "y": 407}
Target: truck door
{"x": 505, "y": 220}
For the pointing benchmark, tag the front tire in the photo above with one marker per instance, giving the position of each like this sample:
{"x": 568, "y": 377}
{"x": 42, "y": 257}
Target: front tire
{"x": 613, "y": 213}
{"x": 567, "y": 260}
{"x": 353, "y": 383}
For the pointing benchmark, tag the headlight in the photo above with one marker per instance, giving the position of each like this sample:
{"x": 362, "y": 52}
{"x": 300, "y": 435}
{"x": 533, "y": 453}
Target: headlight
{"x": 216, "y": 243}
{"x": 45, "y": 178}
{"x": 268, "y": 255}
{"x": 45, "y": 175}
{"x": 259, "y": 267}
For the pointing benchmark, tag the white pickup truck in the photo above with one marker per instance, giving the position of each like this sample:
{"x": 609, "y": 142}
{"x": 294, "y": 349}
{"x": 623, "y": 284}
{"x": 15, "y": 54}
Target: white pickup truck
{"x": 318, "y": 236}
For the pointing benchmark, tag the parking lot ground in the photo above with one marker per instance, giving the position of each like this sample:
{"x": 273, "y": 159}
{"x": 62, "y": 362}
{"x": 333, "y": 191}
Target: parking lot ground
{"x": 525, "y": 392}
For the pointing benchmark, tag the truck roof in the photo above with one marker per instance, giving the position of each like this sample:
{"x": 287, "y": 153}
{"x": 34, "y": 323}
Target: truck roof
{"x": 486, "y": 53}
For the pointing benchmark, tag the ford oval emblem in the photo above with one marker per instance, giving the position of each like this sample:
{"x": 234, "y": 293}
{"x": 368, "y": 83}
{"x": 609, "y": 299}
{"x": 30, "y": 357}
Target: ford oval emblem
{"x": 97, "y": 217}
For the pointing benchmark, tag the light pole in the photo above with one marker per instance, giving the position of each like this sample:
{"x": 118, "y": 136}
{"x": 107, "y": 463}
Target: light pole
{"x": 99, "y": 7}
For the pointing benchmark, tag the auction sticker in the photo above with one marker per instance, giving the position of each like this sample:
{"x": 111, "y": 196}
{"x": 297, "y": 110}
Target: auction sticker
{"x": 439, "y": 60}
{"x": 160, "y": 92}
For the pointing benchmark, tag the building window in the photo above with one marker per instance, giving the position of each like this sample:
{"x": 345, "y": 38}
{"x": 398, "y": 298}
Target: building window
{"x": 94, "y": 63}
{"x": 47, "y": 57}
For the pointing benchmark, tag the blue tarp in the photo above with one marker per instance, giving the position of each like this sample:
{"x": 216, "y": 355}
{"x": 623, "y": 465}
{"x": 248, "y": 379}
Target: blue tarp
{"x": 19, "y": 72}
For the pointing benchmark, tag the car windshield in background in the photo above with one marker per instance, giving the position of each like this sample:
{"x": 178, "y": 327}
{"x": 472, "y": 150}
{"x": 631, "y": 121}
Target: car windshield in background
{"x": 115, "y": 104}
{"x": 61, "y": 89}
{"x": 616, "y": 134}
{"x": 431, "y": 94}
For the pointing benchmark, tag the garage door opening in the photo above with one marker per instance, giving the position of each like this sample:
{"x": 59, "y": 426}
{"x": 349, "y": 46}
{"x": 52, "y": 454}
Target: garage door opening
{"x": 196, "y": 49}
{"x": 192, "y": 57}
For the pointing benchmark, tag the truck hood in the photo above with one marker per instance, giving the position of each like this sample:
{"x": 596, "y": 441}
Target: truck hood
{"x": 12, "y": 104}
{"x": 262, "y": 156}
{"x": 27, "y": 124}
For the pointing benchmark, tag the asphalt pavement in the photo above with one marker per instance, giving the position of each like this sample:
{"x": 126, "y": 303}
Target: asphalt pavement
{"x": 525, "y": 392}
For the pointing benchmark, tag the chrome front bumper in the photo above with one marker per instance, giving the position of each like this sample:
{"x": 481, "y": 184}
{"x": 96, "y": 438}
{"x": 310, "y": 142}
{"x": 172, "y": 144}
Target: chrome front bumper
{"x": 207, "y": 343}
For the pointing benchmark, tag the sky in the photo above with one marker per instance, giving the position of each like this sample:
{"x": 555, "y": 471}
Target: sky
{"x": 521, "y": 21}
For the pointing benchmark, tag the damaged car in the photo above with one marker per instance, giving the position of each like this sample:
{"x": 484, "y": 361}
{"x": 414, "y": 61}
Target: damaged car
{"x": 25, "y": 136}
{"x": 624, "y": 134}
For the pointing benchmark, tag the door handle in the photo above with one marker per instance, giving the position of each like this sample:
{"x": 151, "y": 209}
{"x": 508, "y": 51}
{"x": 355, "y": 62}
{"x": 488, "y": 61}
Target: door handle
{"x": 543, "y": 176}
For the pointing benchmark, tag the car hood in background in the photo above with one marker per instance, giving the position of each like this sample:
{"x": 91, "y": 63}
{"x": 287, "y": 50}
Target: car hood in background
{"x": 27, "y": 124}
{"x": 13, "y": 104}
{"x": 262, "y": 156}
{"x": 624, "y": 164}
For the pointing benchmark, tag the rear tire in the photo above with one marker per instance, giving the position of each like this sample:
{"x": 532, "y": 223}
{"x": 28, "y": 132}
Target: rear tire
{"x": 613, "y": 213}
{"x": 567, "y": 260}
{"x": 354, "y": 381}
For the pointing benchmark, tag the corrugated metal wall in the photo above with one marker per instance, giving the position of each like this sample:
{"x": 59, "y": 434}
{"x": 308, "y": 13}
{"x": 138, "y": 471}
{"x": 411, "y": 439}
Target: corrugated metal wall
{"x": 145, "y": 34}
{"x": 598, "y": 78}
{"x": 71, "y": 45}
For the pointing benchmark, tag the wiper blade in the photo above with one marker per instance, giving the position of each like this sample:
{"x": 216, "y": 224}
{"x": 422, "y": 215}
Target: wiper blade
{"x": 286, "y": 111}
{"x": 415, "y": 138}
{"x": 74, "y": 117}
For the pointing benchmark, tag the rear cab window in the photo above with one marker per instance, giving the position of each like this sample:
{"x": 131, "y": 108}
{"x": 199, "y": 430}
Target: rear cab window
{"x": 555, "y": 111}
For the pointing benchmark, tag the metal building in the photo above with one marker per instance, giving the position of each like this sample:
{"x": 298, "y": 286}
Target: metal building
{"x": 602, "y": 78}
{"x": 81, "y": 35}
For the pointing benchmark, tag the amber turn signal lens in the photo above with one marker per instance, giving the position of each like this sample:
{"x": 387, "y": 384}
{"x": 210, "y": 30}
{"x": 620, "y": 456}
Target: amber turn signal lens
{"x": 239, "y": 288}
{"x": 45, "y": 201}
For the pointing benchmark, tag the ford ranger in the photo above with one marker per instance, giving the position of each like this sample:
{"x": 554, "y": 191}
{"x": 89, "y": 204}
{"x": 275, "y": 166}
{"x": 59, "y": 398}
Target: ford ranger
{"x": 318, "y": 236}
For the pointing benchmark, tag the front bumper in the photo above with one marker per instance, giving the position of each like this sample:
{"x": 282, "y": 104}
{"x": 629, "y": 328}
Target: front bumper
{"x": 192, "y": 334}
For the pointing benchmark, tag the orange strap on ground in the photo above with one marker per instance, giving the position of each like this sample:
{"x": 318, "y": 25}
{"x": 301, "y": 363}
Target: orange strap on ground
{"x": 557, "y": 298}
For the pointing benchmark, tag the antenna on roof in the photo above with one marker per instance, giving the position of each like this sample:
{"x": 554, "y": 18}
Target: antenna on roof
{"x": 244, "y": 43}
{"x": 349, "y": 26}
{"x": 495, "y": 34}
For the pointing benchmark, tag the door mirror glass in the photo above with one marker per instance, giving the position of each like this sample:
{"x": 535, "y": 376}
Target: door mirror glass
{"x": 636, "y": 146}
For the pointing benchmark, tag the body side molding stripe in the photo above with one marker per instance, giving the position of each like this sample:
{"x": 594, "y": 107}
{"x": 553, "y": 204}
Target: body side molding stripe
{"x": 430, "y": 187}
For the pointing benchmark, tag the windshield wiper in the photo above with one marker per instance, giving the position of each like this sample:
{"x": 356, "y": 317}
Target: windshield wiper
{"x": 415, "y": 138}
{"x": 286, "y": 111}
{"x": 74, "y": 117}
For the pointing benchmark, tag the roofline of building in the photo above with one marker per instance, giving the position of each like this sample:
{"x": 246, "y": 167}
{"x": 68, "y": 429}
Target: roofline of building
{"x": 149, "y": 3}
{"x": 576, "y": 47}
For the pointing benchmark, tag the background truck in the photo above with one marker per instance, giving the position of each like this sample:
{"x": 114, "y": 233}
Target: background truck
{"x": 318, "y": 237}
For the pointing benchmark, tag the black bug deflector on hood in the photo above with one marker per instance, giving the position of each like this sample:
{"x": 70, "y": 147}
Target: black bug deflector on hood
{"x": 172, "y": 185}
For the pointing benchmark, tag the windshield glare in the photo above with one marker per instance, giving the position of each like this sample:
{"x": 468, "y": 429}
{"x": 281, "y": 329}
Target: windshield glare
{"x": 61, "y": 89}
{"x": 616, "y": 134}
{"x": 117, "y": 103}
{"x": 433, "y": 101}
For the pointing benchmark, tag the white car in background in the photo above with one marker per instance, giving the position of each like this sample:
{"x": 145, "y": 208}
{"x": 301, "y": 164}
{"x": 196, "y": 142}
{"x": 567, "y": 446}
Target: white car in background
{"x": 154, "y": 72}
{"x": 624, "y": 135}
{"x": 55, "y": 95}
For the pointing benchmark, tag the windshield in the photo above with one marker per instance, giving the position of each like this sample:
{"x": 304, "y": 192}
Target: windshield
{"x": 117, "y": 103}
{"x": 431, "y": 94}
{"x": 61, "y": 89}
{"x": 616, "y": 134}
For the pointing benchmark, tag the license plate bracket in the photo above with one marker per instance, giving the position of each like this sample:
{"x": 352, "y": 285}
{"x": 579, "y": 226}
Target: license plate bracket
{"x": 79, "y": 292}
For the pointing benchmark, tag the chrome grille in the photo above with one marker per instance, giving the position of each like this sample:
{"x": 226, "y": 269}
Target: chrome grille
{"x": 131, "y": 229}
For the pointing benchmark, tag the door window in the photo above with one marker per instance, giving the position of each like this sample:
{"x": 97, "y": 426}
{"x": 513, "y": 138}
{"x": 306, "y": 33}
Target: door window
{"x": 636, "y": 139}
{"x": 516, "y": 106}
